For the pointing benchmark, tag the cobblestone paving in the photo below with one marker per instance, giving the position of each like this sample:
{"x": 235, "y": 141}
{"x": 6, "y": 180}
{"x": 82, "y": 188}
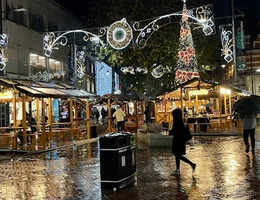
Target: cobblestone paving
{"x": 224, "y": 171}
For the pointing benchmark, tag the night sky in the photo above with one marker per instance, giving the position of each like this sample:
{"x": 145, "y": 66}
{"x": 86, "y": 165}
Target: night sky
{"x": 221, "y": 8}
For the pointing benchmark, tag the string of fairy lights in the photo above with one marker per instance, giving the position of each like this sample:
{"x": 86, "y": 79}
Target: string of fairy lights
{"x": 119, "y": 35}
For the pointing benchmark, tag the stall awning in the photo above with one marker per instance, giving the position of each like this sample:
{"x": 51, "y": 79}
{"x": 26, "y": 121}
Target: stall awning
{"x": 76, "y": 93}
{"x": 44, "y": 89}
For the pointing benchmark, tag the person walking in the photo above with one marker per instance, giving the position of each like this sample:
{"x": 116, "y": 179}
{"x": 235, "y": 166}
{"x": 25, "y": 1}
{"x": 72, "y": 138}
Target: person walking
{"x": 249, "y": 125}
{"x": 120, "y": 118}
{"x": 179, "y": 141}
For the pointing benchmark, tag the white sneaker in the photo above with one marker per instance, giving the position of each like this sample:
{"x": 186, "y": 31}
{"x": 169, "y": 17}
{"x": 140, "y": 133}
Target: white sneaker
{"x": 177, "y": 172}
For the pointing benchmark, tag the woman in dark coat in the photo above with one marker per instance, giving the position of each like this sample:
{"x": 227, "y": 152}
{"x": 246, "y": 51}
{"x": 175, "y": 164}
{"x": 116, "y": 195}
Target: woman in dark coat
{"x": 178, "y": 141}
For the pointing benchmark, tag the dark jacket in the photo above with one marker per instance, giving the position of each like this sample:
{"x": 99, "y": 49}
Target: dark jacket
{"x": 178, "y": 142}
{"x": 178, "y": 129}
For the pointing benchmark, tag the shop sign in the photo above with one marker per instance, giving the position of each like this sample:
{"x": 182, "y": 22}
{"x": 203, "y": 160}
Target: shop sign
{"x": 6, "y": 95}
{"x": 241, "y": 63}
{"x": 199, "y": 92}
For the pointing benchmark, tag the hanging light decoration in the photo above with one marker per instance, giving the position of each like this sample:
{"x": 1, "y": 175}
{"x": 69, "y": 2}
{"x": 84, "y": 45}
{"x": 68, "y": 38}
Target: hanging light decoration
{"x": 119, "y": 34}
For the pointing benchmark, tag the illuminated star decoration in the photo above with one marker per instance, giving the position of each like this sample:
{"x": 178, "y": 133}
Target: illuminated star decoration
{"x": 187, "y": 62}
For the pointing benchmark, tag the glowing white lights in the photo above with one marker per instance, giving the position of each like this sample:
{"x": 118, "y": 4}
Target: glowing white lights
{"x": 119, "y": 34}
{"x": 202, "y": 18}
{"x": 80, "y": 62}
{"x": 3, "y": 48}
{"x": 225, "y": 91}
{"x": 51, "y": 40}
{"x": 226, "y": 42}
{"x": 187, "y": 62}
{"x": 133, "y": 70}
{"x": 46, "y": 76}
{"x": 158, "y": 70}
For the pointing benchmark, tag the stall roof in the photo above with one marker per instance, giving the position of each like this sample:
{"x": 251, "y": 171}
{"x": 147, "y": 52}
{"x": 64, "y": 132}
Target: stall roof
{"x": 193, "y": 83}
{"x": 44, "y": 89}
{"x": 77, "y": 93}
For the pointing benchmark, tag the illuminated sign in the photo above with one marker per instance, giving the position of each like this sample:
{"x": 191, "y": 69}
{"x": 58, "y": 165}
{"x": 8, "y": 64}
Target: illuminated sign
{"x": 225, "y": 91}
{"x": 199, "y": 92}
{"x": 6, "y": 95}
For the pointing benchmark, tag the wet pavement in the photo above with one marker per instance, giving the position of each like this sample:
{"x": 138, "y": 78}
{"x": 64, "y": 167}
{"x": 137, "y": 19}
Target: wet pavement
{"x": 224, "y": 171}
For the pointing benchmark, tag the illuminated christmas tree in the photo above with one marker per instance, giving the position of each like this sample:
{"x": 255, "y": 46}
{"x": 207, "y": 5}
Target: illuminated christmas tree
{"x": 187, "y": 63}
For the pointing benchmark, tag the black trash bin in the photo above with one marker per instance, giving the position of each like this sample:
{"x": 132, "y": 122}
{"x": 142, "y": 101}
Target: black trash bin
{"x": 117, "y": 159}
{"x": 93, "y": 132}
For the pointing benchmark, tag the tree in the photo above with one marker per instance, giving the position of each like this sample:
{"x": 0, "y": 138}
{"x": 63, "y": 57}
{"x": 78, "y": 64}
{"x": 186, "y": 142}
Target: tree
{"x": 161, "y": 48}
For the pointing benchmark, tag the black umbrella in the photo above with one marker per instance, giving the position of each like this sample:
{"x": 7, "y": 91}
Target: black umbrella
{"x": 248, "y": 105}
{"x": 208, "y": 104}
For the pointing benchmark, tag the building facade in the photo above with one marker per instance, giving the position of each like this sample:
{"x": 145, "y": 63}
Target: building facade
{"x": 249, "y": 77}
{"x": 25, "y": 37}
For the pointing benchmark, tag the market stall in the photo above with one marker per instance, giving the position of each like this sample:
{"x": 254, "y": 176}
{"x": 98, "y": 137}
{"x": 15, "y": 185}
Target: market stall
{"x": 37, "y": 99}
{"x": 198, "y": 99}
{"x": 132, "y": 105}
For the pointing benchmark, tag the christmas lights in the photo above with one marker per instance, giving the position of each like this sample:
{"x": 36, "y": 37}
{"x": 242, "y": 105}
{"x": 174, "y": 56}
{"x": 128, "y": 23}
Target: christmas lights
{"x": 46, "y": 76}
{"x": 158, "y": 71}
{"x": 187, "y": 62}
{"x": 52, "y": 40}
{"x": 80, "y": 61}
{"x": 202, "y": 17}
{"x": 3, "y": 48}
{"x": 226, "y": 42}
{"x": 119, "y": 34}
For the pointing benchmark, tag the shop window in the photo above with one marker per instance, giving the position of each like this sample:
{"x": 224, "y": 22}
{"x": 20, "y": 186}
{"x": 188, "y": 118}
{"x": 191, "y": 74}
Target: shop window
{"x": 88, "y": 85}
{"x": 37, "y": 63}
{"x": 93, "y": 87}
{"x": 55, "y": 66}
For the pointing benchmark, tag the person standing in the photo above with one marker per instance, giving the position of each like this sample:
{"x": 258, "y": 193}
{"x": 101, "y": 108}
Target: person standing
{"x": 120, "y": 118}
{"x": 179, "y": 141}
{"x": 249, "y": 125}
{"x": 147, "y": 115}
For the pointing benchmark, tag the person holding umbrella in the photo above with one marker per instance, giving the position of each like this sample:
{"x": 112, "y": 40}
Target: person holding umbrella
{"x": 248, "y": 107}
{"x": 249, "y": 125}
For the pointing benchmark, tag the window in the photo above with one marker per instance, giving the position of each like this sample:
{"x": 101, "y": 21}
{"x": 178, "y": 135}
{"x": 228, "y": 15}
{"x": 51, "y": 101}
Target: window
{"x": 92, "y": 68}
{"x": 17, "y": 17}
{"x": 88, "y": 85}
{"x": 36, "y": 22}
{"x": 37, "y": 63}
{"x": 55, "y": 67}
{"x": 92, "y": 86}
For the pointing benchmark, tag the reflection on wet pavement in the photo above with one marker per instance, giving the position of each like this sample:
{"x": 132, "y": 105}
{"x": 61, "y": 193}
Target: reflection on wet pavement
{"x": 224, "y": 171}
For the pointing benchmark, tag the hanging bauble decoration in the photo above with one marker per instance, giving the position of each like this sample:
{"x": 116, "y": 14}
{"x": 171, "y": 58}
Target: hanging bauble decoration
{"x": 158, "y": 70}
{"x": 119, "y": 34}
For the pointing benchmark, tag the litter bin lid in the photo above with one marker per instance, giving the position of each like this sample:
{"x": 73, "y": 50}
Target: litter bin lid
{"x": 116, "y": 134}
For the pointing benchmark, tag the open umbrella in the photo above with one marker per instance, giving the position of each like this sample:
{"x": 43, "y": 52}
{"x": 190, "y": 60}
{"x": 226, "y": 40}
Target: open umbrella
{"x": 248, "y": 105}
{"x": 208, "y": 104}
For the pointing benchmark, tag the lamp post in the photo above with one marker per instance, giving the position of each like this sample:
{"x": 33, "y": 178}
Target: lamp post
{"x": 234, "y": 41}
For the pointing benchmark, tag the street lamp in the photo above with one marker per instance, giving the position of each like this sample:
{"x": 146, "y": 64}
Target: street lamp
{"x": 234, "y": 41}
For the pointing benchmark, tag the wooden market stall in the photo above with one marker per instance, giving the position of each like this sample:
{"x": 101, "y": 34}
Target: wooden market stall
{"x": 25, "y": 91}
{"x": 133, "y": 106}
{"x": 192, "y": 97}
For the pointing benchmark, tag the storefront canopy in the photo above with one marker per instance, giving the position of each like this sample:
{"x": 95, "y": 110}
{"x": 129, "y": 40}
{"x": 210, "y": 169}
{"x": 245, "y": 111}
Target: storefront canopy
{"x": 44, "y": 89}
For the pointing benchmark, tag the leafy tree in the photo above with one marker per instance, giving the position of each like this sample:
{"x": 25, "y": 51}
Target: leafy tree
{"x": 161, "y": 48}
